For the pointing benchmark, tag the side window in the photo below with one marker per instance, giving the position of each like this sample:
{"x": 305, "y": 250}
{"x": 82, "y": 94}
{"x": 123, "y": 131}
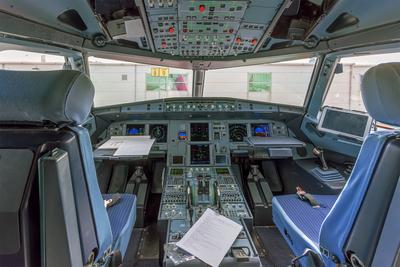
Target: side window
{"x": 345, "y": 89}
{"x": 23, "y": 60}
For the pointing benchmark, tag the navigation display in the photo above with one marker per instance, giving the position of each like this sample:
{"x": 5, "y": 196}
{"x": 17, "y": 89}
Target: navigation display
{"x": 200, "y": 154}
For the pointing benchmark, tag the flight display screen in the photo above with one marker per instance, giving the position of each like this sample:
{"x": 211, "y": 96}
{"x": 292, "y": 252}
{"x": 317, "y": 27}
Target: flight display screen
{"x": 182, "y": 135}
{"x": 199, "y": 132}
{"x": 261, "y": 130}
{"x": 135, "y": 129}
{"x": 200, "y": 154}
{"x": 345, "y": 122}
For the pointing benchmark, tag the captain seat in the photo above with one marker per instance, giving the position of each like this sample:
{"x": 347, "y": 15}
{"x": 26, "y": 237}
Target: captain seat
{"x": 353, "y": 228}
{"x": 41, "y": 113}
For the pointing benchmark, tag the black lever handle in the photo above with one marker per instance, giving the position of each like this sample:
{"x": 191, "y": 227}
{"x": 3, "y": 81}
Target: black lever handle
{"x": 320, "y": 154}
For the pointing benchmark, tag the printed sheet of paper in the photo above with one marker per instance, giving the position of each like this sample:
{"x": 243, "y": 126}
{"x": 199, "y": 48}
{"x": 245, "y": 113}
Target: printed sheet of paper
{"x": 113, "y": 143}
{"x": 129, "y": 145}
{"x": 138, "y": 147}
{"x": 210, "y": 238}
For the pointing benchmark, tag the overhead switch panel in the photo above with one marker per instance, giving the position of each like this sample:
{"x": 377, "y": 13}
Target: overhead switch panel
{"x": 208, "y": 28}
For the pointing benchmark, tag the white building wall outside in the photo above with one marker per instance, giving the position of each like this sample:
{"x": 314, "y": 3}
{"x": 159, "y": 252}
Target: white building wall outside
{"x": 289, "y": 83}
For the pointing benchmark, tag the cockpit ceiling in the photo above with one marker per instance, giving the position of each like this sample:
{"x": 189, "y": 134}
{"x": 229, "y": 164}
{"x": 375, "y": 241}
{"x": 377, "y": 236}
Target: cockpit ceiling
{"x": 209, "y": 28}
{"x": 52, "y": 13}
{"x": 203, "y": 29}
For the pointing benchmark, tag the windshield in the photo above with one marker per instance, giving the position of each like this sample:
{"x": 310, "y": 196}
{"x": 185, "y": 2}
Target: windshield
{"x": 282, "y": 83}
{"x": 119, "y": 82}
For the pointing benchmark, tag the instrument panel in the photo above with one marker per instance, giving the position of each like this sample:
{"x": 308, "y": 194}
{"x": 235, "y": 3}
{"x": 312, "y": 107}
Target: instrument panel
{"x": 199, "y": 142}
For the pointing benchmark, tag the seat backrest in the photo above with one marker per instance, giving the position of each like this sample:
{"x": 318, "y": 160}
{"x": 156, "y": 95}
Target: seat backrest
{"x": 352, "y": 229}
{"x": 41, "y": 111}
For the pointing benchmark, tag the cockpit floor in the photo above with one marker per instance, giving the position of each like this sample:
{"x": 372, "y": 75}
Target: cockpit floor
{"x": 143, "y": 248}
{"x": 274, "y": 251}
{"x": 132, "y": 257}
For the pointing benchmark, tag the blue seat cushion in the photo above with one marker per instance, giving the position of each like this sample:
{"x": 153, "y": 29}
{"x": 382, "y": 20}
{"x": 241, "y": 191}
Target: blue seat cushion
{"x": 299, "y": 222}
{"x": 122, "y": 218}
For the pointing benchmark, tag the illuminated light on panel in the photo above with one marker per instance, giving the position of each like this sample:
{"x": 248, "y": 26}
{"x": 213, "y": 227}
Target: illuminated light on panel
{"x": 171, "y": 30}
{"x": 238, "y": 40}
{"x": 254, "y": 41}
{"x": 202, "y": 8}
{"x": 182, "y": 135}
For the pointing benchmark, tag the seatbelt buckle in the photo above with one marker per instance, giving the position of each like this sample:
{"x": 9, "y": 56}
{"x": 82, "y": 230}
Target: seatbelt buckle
{"x": 301, "y": 193}
{"x": 111, "y": 201}
{"x": 107, "y": 202}
{"x": 304, "y": 196}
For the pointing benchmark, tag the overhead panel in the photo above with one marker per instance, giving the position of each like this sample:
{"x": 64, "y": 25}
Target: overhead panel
{"x": 209, "y": 28}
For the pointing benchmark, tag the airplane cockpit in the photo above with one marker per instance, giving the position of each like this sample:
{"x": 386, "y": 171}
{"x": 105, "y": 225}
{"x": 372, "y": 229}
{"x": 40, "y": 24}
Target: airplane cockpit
{"x": 247, "y": 133}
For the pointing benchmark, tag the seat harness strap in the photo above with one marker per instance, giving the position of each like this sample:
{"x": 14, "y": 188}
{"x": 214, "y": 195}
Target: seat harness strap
{"x": 304, "y": 196}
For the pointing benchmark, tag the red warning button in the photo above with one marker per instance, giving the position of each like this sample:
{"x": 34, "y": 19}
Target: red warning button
{"x": 202, "y": 8}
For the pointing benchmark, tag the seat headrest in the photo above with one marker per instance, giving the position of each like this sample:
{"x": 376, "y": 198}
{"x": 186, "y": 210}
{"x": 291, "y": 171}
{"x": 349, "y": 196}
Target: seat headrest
{"x": 64, "y": 96}
{"x": 381, "y": 93}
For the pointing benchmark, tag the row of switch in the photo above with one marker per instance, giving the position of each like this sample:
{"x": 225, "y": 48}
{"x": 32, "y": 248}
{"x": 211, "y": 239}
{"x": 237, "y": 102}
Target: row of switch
{"x": 200, "y": 107}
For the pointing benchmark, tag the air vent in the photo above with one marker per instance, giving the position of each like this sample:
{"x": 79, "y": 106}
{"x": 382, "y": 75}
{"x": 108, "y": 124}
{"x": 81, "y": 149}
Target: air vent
{"x": 72, "y": 18}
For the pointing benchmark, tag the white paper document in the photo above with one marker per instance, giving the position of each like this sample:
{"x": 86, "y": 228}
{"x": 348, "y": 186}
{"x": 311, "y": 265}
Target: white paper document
{"x": 129, "y": 145}
{"x": 210, "y": 238}
{"x": 112, "y": 143}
